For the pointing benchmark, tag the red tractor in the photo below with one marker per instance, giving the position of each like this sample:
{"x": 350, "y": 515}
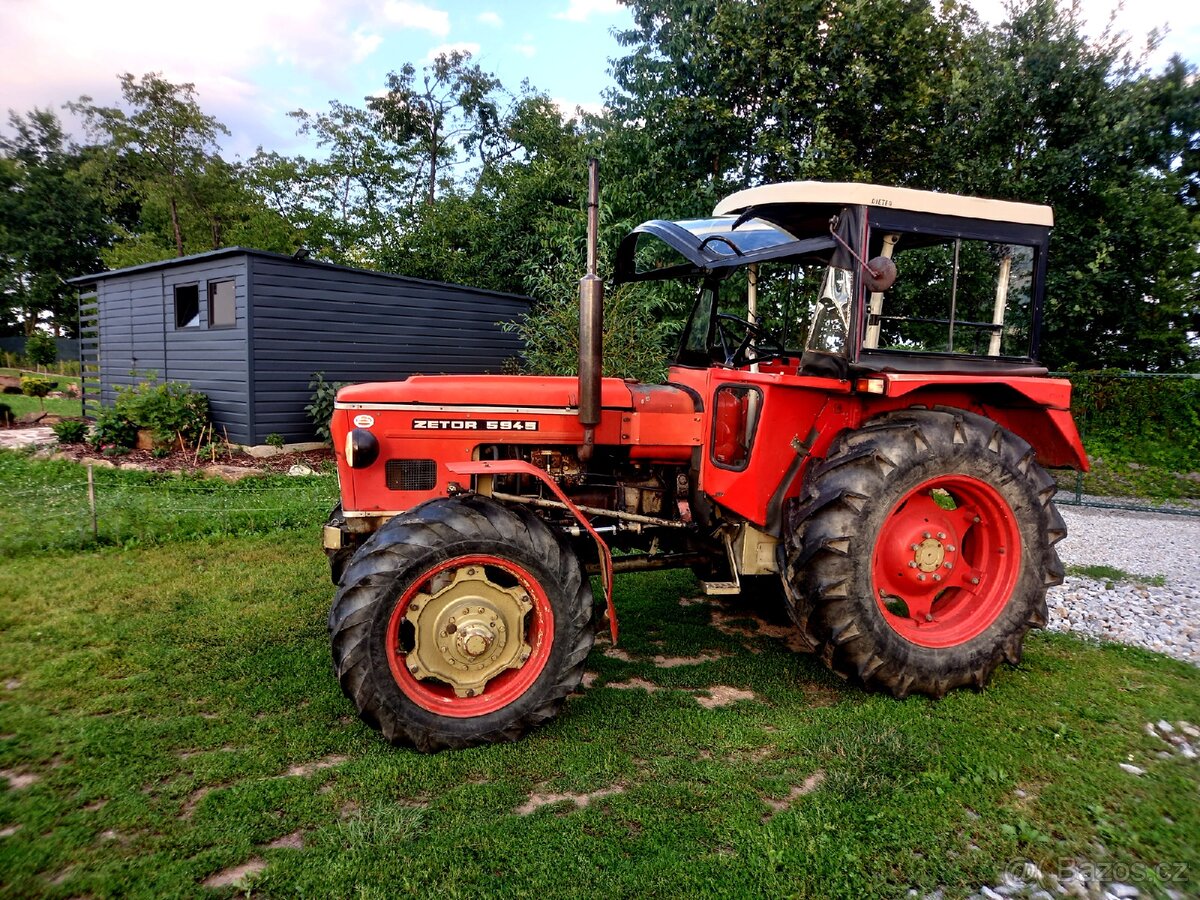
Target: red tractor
{"x": 883, "y": 471}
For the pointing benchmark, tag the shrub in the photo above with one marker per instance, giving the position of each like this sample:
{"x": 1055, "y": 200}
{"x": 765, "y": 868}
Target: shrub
{"x": 70, "y": 431}
{"x": 41, "y": 349}
{"x": 36, "y": 386}
{"x": 275, "y": 440}
{"x": 113, "y": 429}
{"x": 320, "y": 411}
{"x": 1151, "y": 419}
{"x": 168, "y": 409}
{"x": 6, "y": 414}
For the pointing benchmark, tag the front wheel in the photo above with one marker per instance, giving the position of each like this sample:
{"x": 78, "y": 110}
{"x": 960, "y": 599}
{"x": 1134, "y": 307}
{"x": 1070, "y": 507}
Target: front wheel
{"x": 922, "y": 550}
{"x": 461, "y": 622}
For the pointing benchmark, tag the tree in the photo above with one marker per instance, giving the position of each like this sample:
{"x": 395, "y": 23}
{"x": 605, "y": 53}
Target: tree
{"x": 164, "y": 143}
{"x": 345, "y": 205}
{"x": 40, "y": 349}
{"x": 1044, "y": 114}
{"x": 452, "y": 103}
{"x": 52, "y": 224}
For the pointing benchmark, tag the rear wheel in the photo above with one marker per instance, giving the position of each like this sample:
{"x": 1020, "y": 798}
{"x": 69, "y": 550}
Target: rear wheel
{"x": 461, "y": 622}
{"x": 921, "y": 551}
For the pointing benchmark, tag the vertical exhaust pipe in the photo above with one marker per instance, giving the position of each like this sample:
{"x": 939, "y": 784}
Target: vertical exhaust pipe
{"x": 591, "y": 322}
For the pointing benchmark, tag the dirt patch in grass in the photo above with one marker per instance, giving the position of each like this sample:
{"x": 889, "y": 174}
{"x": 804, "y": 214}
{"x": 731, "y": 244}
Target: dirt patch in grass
{"x": 293, "y": 841}
{"x": 18, "y": 780}
{"x": 618, "y": 653}
{"x": 639, "y": 684}
{"x": 234, "y": 875}
{"x": 810, "y": 784}
{"x": 303, "y": 770}
{"x": 671, "y": 662}
{"x": 193, "y": 800}
{"x": 12, "y": 684}
{"x": 537, "y": 801}
{"x": 734, "y": 624}
{"x": 9, "y": 830}
{"x": 723, "y": 695}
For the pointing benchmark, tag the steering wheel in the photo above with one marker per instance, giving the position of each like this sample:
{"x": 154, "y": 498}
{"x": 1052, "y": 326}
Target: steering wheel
{"x": 737, "y": 352}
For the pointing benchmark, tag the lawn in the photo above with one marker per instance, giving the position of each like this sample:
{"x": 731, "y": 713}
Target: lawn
{"x": 22, "y": 405}
{"x": 169, "y": 713}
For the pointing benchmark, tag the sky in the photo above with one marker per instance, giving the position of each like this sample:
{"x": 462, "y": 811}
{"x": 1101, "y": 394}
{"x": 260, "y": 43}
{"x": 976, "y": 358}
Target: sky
{"x": 253, "y": 61}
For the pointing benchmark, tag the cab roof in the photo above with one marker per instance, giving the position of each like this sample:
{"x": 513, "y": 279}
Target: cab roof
{"x": 856, "y": 194}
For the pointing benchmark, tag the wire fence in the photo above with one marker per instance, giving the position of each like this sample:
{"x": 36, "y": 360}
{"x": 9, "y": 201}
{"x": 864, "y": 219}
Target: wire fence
{"x": 104, "y": 507}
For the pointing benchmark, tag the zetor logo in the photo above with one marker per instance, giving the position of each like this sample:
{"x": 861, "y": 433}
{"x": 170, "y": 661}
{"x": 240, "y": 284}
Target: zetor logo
{"x": 474, "y": 425}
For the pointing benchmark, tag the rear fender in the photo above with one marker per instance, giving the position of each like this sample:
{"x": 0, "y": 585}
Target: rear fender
{"x": 1036, "y": 409}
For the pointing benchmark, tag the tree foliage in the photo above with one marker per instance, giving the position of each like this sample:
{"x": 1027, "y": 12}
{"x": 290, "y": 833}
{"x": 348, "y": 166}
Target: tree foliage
{"x": 446, "y": 174}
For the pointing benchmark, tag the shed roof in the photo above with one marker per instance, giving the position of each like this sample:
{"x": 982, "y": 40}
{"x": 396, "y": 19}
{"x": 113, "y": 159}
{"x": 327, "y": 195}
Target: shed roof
{"x": 225, "y": 252}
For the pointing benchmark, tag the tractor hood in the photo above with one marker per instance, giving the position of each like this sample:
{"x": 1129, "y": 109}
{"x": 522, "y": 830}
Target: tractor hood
{"x": 499, "y": 391}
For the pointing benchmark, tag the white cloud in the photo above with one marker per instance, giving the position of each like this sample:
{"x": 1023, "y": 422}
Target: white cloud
{"x": 526, "y": 50}
{"x": 571, "y": 110}
{"x": 582, "y": 10}
{"x": 447, "y": 49}
{"x": 490, "y": 18}
{"x": 407, "y": 14}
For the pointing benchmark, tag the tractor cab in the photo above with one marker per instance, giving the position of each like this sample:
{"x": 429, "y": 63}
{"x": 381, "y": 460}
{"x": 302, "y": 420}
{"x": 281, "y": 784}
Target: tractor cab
{"x": 849, "y": 279}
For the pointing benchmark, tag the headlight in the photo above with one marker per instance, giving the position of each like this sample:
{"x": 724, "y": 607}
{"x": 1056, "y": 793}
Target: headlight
{"x": 362, "y": 448}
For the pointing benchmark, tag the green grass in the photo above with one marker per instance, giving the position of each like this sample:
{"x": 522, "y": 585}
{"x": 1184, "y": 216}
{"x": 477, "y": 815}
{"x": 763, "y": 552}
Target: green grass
{"x": 1112, "y": 575}
{"x": 22, "y": 405}
{"x": 46, "y": 505}
{"x": 160, "y": 695}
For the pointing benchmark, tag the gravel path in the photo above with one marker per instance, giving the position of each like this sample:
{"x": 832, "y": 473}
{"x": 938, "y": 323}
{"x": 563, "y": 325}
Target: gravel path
{"x": 1158, "y": 607}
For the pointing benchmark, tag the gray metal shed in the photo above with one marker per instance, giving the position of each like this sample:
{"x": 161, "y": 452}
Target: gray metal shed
{"x": 249, "y": 329}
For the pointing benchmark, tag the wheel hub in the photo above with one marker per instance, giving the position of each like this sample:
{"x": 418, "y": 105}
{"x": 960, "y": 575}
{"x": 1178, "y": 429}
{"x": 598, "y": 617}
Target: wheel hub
{"x": 467, "y": 630}
{"x": 929, "y": 555}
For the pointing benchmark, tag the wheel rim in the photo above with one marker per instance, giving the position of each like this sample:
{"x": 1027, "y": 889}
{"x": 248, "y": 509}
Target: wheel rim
{"x": 946, "y": 561}
{"x": 470, "y": 636}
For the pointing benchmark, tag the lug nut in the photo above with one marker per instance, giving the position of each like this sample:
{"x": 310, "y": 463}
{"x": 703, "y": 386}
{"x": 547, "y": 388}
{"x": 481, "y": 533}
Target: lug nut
{"x": 927, "y": 535}
{"x": 912, "y": 564}
{"x": 948, "y": 565}
{"x": 974, "y": 581}
{"x": 941, "y": 535}
{"x": 937, "y": 577}
{"x": 950, "y": 548}
{"x": 975, "y": 519}
{"x": 921, "y": 577}
{"x": 914, "y": 547}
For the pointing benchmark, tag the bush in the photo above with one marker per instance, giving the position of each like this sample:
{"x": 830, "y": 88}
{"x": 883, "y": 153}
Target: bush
{"x": 320, "y": 411}
{"x": 275, "y": 440}
{"x": 6, "y": 414}
{"x": 36, "y": 386}
{"x": 170, "y": 409}
{"x": 70, "y": 431}
{"x": 41, "y": 349}
{"x": 1149, "y": 419}
{"x": 113, "y": 430}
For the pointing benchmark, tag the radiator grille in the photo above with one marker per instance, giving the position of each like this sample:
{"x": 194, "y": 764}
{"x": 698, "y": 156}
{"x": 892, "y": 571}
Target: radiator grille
{"x": 411, "y": 474}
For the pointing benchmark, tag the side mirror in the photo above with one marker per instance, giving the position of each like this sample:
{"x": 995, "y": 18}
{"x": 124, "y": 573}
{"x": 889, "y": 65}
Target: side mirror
{"x": 880, "y": 274}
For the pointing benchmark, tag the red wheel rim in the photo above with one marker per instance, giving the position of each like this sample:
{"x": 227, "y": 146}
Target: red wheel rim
{"x": 946, "y": 561}
{"x": 503, "y": 688}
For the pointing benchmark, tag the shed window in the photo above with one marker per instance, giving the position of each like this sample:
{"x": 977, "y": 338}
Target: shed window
{"x": 187, "y": 306}
{"x": 222, "y": 312}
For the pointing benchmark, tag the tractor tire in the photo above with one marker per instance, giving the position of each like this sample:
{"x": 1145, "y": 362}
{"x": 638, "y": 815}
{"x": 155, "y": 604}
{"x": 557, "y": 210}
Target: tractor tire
{"x": 920, "y": 551}
{"x": 461, "y": 622}
{"x": 339, "y": 558}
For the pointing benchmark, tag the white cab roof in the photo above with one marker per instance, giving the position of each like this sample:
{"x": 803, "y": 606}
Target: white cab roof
{"x": 853, "y": 194}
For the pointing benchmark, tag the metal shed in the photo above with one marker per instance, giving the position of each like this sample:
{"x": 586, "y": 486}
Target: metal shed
{"x": 249, "y": 329}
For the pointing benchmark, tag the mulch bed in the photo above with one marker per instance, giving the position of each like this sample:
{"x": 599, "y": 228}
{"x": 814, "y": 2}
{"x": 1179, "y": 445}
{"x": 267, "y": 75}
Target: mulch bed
{"x": 187, "y": 461}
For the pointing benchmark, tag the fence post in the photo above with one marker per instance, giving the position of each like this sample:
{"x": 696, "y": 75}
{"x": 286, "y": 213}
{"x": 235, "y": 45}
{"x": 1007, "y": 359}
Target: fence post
{"x": 92, "y": 501}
